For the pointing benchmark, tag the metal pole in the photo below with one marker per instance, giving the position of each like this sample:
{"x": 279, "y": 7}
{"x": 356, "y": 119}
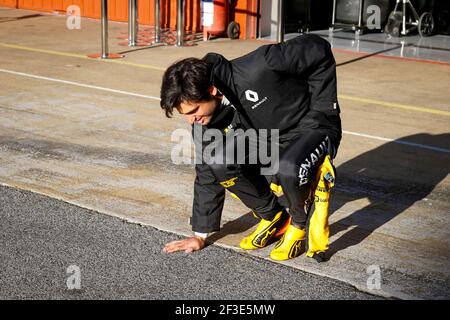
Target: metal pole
{"x": 180, "y": 23}
{"x": 333, "y": 18}
{"x": 104, "y": 54}
{"x": 104, "y": 29}
{"x": 136, "y": 17}
{"x": 361, "y": 9}
{"x": 157, "y": 22}
{"x": 132, "y": 25}
{"x": 280, "y": 24}
{"x": 403, "y": 32}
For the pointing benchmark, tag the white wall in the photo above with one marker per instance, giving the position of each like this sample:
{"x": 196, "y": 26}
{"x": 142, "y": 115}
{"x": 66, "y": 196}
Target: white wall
{"x": 268, "y": 21}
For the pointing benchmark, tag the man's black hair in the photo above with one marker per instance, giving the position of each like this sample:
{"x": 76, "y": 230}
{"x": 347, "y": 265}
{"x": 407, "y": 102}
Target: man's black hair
{"x": 187, "y": 80}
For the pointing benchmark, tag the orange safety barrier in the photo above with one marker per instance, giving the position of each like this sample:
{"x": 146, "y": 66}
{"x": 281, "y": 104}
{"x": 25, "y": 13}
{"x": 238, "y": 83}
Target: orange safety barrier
{"x": 246, "y": 14}
{"x": 8, "y": 3}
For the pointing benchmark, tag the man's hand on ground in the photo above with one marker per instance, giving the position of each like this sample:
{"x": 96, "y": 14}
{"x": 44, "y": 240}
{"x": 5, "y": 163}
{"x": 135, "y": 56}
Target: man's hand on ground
{"x": 188, "y": 245}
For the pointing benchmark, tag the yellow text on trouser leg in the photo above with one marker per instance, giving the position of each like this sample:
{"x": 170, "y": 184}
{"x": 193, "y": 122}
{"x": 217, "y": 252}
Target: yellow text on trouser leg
{"x": 318, "y": 229}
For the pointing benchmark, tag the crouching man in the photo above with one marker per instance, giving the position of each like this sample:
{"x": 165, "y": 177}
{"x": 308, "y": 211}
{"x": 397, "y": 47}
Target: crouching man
{"x": 288, "y": 87}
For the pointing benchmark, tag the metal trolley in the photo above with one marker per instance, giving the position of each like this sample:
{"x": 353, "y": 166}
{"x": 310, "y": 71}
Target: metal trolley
{"x": 359, "y": 28}
{"x": 405, "y": 21}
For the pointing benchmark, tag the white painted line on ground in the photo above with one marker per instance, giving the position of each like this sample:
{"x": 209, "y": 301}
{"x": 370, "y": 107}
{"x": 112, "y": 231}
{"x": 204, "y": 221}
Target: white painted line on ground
{"x": 411, "y": 144}
{"x": 79, "y": 84}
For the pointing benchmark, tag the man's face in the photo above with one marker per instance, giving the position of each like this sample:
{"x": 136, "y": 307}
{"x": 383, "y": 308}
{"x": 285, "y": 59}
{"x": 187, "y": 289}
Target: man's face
{"x": 199, "y": 112}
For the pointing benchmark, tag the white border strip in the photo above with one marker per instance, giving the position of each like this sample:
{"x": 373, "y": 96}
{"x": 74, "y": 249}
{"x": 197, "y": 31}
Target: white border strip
{"x": 79, "y": 84}
{"x": 411, "y": 144}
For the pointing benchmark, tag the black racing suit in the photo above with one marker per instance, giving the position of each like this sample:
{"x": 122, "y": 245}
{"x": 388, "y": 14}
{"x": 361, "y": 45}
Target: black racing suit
{"x": 291, "y": 87}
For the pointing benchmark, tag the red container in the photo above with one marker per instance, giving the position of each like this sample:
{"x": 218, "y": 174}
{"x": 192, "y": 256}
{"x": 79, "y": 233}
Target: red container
{"x": 214, "y": 17}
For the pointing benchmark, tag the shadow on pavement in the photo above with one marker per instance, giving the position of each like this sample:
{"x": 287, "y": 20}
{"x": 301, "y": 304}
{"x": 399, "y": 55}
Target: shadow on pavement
{"x": 239, "y": 225}
{"x": 392, "y": 175}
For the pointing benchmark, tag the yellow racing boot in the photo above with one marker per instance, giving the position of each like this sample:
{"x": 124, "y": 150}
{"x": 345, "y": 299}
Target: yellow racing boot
{"x": 266, "y": 230}
{"x": 289, "y": 245}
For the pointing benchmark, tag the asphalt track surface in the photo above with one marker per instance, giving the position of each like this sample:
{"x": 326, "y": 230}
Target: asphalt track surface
{"x": 42, "y": 237}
